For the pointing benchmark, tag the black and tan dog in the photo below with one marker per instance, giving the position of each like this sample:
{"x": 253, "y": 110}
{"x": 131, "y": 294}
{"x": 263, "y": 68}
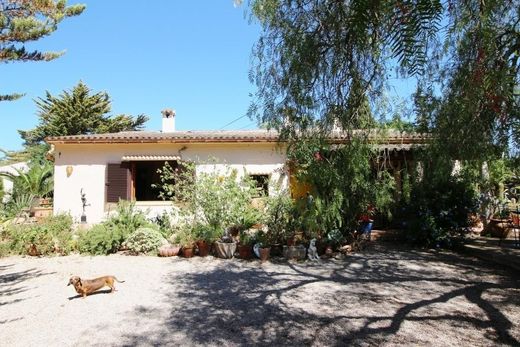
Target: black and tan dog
{"x": 85, "y": 287}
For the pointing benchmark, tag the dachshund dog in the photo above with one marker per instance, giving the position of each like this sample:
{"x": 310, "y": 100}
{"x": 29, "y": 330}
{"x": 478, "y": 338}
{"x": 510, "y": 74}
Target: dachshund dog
{"x": 85, "y": 287}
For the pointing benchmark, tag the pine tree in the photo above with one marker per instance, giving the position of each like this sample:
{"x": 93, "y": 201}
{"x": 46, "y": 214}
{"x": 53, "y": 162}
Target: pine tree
{"x": 78, "y": 112}
{"x": 23, "y": 21}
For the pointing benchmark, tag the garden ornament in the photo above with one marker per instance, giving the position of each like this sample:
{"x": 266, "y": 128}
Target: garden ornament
{"x": 312, "y": 252}
{"x": 84, "y": 203}
{"x": 256, "y": 249}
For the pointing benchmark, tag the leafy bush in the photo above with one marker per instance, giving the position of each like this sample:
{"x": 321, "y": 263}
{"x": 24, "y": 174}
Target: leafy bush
{"x": 205, "y": 232}
{"x": 144, "y": 240}
{"x": 51, "y": 235}
{"x": 164, "y": 222}
{"x": 107, "y": 237}
{"x": 278, "y": 216}
{"x": 5, "y": 248}
{"x": 127, "y": 219}
{"x": 342, "y": 183}
{"x": 219, "y": 199}
{"x": 438, "y": 212}
{"x": 184, "y": 234}
{"x": 101, "y": 239}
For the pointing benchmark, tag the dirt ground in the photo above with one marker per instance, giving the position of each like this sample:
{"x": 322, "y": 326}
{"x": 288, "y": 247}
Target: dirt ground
{"x": 383, "y": 296}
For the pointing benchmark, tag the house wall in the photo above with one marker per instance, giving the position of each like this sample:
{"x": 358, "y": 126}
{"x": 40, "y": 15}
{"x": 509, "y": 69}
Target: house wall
{"x": 7, "y": 183}
{"x": 89, "y": 161}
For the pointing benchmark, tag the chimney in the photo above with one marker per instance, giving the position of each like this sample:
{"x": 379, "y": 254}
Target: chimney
{"x": 168, "y": 120}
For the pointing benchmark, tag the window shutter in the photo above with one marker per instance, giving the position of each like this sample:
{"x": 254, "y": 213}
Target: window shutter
{"x": 118, "y": 182}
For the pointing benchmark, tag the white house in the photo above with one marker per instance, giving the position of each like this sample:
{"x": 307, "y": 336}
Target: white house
{"x": 109, "y": 167}
{"x": 11, "y": 169}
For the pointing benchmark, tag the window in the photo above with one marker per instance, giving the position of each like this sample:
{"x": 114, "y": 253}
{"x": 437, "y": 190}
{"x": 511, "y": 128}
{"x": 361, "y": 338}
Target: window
{"x": 133, "y": 180}
{"x": 144, "y": 175}
{"x": 262, "y": 184}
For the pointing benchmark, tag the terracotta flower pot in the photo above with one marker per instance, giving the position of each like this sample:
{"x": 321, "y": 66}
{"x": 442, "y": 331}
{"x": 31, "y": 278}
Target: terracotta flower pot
{"x": 203, "y": 247}
{"x": 32, "y": 250}
{"x": 187, "y": 252}
{"x": 498, "y": 228}
{"x": 245, "y": 251}
{"x": 169, "y": 251}
{"x": 264, "y": 254}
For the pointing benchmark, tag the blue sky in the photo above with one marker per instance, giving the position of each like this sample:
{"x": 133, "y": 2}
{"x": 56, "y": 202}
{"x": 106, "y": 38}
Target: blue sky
{"x": 192, "y": 56}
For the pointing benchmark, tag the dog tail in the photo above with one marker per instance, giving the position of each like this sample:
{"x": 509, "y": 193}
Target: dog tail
{"x": 118, "y": 280}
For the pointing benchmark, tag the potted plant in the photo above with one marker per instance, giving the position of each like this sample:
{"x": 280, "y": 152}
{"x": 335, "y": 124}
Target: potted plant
{"x": 226, "y": 246}
{"x": 204, "y": 235}
{"x": 185, "y": 237}
{"x": 278, "y": 220}
{"x": 499, "y": 224}
{"x": 263, "y": 246}
{"x": 245, "y": 246}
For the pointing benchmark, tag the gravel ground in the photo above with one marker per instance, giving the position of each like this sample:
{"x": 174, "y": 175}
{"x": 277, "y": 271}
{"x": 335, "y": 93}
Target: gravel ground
{"x": 384, "y": 296}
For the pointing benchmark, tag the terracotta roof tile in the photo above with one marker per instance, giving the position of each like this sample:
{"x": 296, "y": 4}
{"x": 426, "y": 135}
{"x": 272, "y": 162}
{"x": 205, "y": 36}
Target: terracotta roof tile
{"x": 221, "y": 136}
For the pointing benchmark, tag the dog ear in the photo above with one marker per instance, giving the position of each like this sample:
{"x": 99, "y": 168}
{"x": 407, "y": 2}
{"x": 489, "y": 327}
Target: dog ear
{"x": 79, "y": 281}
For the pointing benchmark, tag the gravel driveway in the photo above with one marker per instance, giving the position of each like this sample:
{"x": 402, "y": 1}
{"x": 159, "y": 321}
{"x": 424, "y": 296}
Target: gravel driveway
{"x": 383, "y": 296}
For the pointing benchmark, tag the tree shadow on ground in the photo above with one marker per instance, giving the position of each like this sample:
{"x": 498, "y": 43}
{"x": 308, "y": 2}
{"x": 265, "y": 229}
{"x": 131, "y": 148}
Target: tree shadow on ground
{"x": 13, "y": 283}
{"x": 364, "y": 300}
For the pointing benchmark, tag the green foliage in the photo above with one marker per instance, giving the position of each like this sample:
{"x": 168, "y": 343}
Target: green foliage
{"x": 317, "y": 62}
{"x": 30, "y": 154}
{"x": 144, "y": 240}
{"x": 205, "y": 232}
{"x": 5, "y": 249}
{"x": 127, "y": 218}
{"x": 101, "y": 239}
{"x": 78, "y": 112}
{"x": 321, "y": 61}
{"x": 50, "y": 236}
{"x": 184, "y": 234}
{"x": 344, "y": 183}
{"x": 24, "y": 21}
{"x": 248, "y": 237}
{"x": 164, "y": 222}
{"x": 438, "y": 212}
{"x": 278, "y": 216}
{"x": 37, "y": 181}
{"x": 107, "y": 237}
{"x": 19, "y": 205}
{"x": 217, "y": 199}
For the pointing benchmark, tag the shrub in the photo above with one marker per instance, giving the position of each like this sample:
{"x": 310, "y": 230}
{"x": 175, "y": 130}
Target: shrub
{"x": 101, "y": 239}
{"x": 164, "y": 222}
{"x": 218, "y": 198}
{"x": 127, "y": 219}
{"x": 278, "y": 216}
{"x": 52, "y": 235}
{"x": 205, "y": 232}
{"x": 144, "y": 240}
{"x": 5, "y": 248}
{"x": 107, "y": 237}
{"x": 438, "y": 212}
